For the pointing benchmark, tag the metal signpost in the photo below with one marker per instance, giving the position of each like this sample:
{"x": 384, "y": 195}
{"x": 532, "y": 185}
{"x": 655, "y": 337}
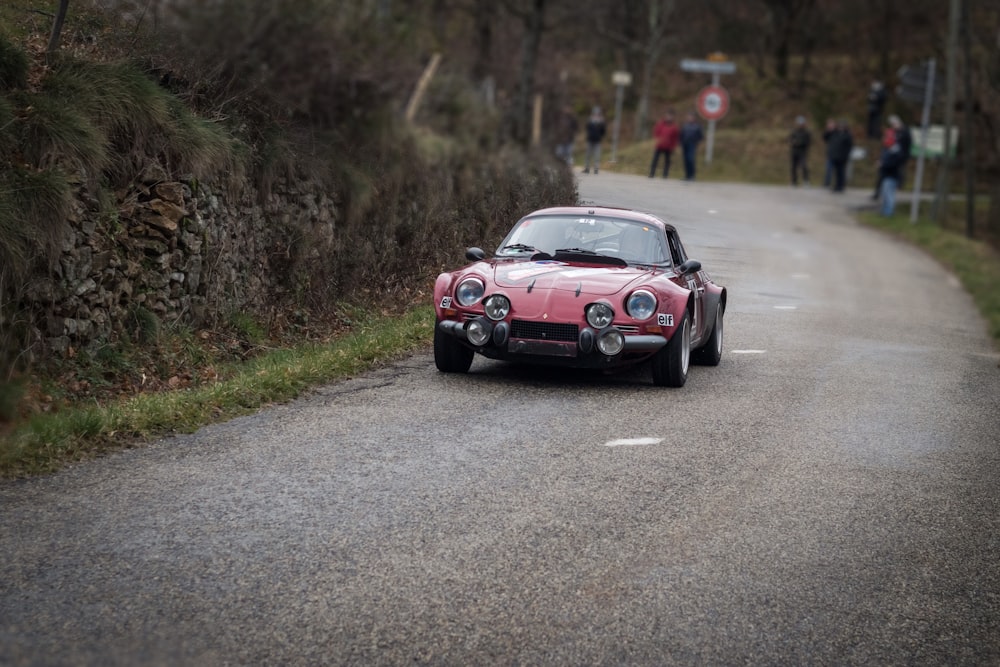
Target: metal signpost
{"x": 620, "y": 79}
{"x": 713, "y": 101}
{"x": 918, "y": 86}
{"x": 712, "y": 104}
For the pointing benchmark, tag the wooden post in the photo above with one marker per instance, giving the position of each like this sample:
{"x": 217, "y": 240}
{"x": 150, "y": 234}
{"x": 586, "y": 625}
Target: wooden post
{"x": 425, "y": 79}
{"x": 536, "y": 122}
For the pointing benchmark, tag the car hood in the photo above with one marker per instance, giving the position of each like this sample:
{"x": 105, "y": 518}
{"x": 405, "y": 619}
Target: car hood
{"x": 553, "y": 275}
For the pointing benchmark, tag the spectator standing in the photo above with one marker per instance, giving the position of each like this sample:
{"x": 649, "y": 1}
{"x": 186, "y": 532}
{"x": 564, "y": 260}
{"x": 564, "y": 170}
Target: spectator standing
{"x": 667, "y": 135}
{"x": 899, "y": 133}
{"x": 690, "y": 136}
{"x": 888, "y": 139}
{"x": 596, "y": 128}
{"x": 876, "y": 102}
{"x": 799, "y": 141}
{"x": 905, "y": 139}
{"x": 889, "y": 169}
{"x": 566, "y": 134}
{"x": 831, "y": 127}
{"x": 838, "y": 150}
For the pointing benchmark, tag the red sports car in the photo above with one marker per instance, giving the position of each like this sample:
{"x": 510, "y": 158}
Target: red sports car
{"x": 586, "y": 287}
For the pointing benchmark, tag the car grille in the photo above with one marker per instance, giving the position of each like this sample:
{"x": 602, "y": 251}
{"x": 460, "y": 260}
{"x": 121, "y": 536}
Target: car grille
{"x": 543, "y": 331}
{"x": 627, "y": 328}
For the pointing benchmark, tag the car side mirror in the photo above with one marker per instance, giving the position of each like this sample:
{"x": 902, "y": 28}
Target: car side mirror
{"x": 689, "y": 266}
{"x": 475, "y": 254}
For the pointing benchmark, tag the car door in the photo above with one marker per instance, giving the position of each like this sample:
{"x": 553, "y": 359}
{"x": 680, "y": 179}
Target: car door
{"x": 693, "y": 281}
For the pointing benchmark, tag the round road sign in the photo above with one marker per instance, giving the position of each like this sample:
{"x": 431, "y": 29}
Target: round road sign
{"x": 713, "y": 102}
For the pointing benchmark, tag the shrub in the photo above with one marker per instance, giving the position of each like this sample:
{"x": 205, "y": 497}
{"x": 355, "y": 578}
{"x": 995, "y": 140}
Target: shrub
{"x": 54, "y": 131}
{"x": 8, "y": 140}
{"x": 13, "y": 66}
{"x": 137, "y": 120}
{"x": 33, "y": 206}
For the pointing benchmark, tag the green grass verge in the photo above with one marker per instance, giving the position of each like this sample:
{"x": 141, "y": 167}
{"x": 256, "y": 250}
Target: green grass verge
{"x": 974, "y": 262}
{"x": 48, "y": 441}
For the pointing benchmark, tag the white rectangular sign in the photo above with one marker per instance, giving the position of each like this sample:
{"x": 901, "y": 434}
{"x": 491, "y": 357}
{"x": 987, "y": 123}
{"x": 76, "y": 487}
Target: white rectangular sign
{"x": 710, "y": 66}
{"x": 935, "y": 141}
{"x": 621, "y": 78}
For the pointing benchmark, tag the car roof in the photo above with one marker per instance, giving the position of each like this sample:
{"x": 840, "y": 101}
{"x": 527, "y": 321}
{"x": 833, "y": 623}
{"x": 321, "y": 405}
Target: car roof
{"x": 604, "y": 211}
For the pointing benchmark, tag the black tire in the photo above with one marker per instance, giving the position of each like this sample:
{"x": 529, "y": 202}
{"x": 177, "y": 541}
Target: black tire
{"x": 671, "y": 363}
{"x": 450, "y": 356}
{"x": 710, "y": 354}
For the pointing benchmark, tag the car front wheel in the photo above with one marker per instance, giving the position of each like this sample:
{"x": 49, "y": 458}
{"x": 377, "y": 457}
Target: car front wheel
{"x": 670, "y": 364}
{"x": 450, "y": 356}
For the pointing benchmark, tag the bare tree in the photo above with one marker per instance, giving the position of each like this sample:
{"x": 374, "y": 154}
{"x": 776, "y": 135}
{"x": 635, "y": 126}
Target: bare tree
{"x": 787, "y": 18}
{"x": 657, "y": 20}
{"x": 989, "y": 45}
{"x": 532, "y": 16}
{"x": 641, "y": 32}
{"x": 57, "y": 26}
{"x": 484, "y": 14}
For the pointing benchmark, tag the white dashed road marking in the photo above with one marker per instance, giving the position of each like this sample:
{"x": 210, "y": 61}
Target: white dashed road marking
{"x": 633, "y": 441}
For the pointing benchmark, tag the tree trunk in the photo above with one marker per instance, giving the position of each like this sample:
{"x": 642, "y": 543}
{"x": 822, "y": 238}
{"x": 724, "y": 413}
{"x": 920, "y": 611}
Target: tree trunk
{"x": 885, "y": 43}
{"x": 633, "y": 57}
{"x": 801, "y": 84}
{"x": 788, "y": 18}
{"x": 484, "y": 17}
{"x": 968, "y": 108}
{"x": 659, "y": 13}
{"x": 642, "y": 110}
{"x": 942, "y": 191}
{"x": 57, "y": 26}
{"x": 520, "y": 114}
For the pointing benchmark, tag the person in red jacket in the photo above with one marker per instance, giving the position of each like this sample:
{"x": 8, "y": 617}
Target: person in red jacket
{"x": 667, "y": 133}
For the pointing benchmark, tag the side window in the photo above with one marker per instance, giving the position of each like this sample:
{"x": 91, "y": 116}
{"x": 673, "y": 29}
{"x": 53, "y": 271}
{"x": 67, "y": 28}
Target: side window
{"x": 676, "y": 250}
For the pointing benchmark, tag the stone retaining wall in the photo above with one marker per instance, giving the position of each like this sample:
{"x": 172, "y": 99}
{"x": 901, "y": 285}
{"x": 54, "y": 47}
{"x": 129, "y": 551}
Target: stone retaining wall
{"x": 181, "y": 250}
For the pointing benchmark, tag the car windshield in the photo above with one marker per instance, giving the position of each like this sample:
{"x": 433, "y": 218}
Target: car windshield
{"x": 632, "y": 241}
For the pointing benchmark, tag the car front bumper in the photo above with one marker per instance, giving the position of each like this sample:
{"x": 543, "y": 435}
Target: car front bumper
{"x": 503, "y": 343}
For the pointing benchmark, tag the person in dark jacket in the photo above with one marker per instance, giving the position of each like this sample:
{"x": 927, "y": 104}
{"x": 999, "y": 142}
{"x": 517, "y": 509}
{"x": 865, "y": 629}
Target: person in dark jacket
{"x": 596, "y": 127}
{"x": 838, "y": 150}
{"x": 798, "y": 142}
{"x": 667, "y": 134}
{"x": 905, "y": 139}
{"x": 691, "y": 136}
{"x": 831, "y": 127}
{"x": 897, "y": 132}
{"x": 876, "y": 102}
{"x": 888, "y": 139}
{"x": 890, "y": 166}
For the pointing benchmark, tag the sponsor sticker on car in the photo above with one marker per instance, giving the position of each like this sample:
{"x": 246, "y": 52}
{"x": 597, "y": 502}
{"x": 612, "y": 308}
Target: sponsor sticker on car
{"x": 665, "y": 319}
{"x": 446, "y": 302}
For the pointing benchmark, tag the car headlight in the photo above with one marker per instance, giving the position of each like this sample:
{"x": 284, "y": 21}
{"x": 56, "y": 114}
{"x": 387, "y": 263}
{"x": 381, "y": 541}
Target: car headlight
{"x": 611, "y": 342}
{"x": 469, "y": 292}
{"x": 478, "y": 331}
{"x": 599, "y": 315}
{"x": 497, "y": 306}
{"x": 641, "y": 305}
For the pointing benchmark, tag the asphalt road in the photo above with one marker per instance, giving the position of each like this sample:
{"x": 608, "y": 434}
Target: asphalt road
{"x": 828, "y": 494}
